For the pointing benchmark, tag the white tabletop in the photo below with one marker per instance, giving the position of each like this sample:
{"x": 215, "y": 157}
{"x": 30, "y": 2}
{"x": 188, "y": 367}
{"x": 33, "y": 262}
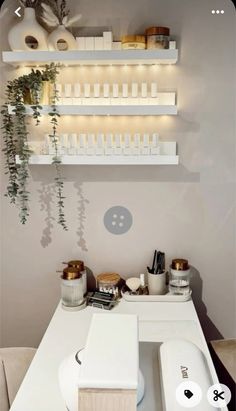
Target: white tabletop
{"x": 67, "y": 333}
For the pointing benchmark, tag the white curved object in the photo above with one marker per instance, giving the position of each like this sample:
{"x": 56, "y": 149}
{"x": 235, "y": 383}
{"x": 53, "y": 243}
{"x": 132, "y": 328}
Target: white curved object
{"x": 182, "y": 361}
{"x": 27, "y": 27}
{"x": 69, "y": 373}
{"x": 133, "y": 283}
{"x": 61, "y": 34}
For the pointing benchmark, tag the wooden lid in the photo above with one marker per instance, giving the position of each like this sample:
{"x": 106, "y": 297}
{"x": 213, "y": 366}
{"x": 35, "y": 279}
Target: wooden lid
{"x": 164, "y": 31}
{"x": 108, "y": 278}
{"x": 133, "y": 39}
{"x": 180, "y": 264}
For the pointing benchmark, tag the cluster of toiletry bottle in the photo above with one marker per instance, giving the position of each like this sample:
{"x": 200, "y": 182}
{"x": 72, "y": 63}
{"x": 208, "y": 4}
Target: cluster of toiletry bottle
{"x": 104, "y": 144}
{"x": 134, "y": 93}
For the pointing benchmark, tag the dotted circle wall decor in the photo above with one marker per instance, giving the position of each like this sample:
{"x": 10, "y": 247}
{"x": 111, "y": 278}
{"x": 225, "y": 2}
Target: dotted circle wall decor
{"x": 118, "y": 220}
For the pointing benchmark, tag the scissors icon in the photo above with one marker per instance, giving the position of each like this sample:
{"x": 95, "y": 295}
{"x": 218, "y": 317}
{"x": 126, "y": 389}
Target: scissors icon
{"x": 218, "y": 395}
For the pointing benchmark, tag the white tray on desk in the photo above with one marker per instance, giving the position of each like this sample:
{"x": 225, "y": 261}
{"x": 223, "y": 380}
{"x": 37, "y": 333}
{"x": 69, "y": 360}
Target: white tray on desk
{"x": 156, "y": 298}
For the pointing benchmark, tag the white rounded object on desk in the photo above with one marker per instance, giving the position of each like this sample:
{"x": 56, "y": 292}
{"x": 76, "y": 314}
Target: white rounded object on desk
{"x": 182, "y": 361}
{"x": 61, "y": 34}
{"x": 133, "y": 283}
{"x": 69, "y": 374}
{"x": 28, "y": 27}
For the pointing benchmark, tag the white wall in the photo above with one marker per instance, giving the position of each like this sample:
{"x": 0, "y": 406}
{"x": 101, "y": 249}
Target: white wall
{"x": 186, "y": 211}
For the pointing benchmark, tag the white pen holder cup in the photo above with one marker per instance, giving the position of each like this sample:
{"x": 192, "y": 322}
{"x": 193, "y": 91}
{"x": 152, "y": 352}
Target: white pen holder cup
{"x": 157, "y": 283}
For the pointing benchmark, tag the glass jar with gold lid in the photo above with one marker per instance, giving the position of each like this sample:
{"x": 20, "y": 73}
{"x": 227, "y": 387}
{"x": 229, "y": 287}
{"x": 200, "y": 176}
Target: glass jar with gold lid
{"x": 72, "y": 295}
{"x": 179, "y": 280}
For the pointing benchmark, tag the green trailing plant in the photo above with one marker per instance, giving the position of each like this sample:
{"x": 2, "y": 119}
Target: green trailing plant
{"x": 28, "y": 89}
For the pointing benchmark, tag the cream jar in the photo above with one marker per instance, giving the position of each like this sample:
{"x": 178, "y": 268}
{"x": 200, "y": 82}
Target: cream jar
{"x": 158, "y": 37}
{"x": 133, "y": 42}
{"x": 179, "y": 280}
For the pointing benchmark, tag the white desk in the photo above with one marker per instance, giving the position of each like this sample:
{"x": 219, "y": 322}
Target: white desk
{"x": 67, "y": 333}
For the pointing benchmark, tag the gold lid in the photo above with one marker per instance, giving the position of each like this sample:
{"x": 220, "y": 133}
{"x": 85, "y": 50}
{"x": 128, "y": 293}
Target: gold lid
{"x": 71, "y": 273}
{"x": 133, "y": 39}
{"x": 180, "y": 264}
{"x": 164, "y": 31}
{"x": 76, "y": 264}
{"x": 108, "y": 278}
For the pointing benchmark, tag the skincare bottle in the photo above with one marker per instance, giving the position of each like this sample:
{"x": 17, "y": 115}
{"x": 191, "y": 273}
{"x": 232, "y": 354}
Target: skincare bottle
{"x": 145, "y": 145}
{"x": 100, "y": 144}
{"x": 90, "y": 145}
{"x": 144, "y": 94}
{"x": 63, "y": 143}
{"x": 153, "y": 99}
{"x": 115, "y": 94}
{"x": 125, "y": 92}
{"x": 155, "y": 148}
{"x": 87, "y": 89}
{"x": 109, "y": 146}
{"x": 136, "y": 144}
{"x": 96, "y": 89}
{"x": 82, "y": 144}
{"x": 59, "y": 93}
{"x": 68, "y": 94}
{"x": 118, "y": 144}
{"x": 76, "y": 99}
{"x": 49, "y": 146}
{"x": 72, "y": 144}
{"x": 143, "y": 289}
{"x": 127, "y": 150}
{"x": 106, "y": 94}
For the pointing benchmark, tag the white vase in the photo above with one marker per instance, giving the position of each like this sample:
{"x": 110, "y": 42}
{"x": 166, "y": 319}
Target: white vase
{"x": 61, "y": 37}
{"x": 28, "y": 27}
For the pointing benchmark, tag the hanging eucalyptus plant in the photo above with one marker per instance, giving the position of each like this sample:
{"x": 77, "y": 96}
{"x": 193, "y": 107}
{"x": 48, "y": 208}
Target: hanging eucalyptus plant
{"x": 28, "y": 89}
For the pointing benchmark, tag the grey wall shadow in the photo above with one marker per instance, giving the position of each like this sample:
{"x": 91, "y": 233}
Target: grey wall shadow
{"x": 46, "y": 198}
{"x": 209, "y": 329}
{"x": 82, "y": 201}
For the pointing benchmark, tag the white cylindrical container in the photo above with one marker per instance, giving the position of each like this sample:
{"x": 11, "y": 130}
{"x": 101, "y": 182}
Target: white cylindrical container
{"x": 68, "y": 90}
{"x": 96, "y": 90}
{"x": 106, "y": 90}
{"x": 72, "y": 144}
{"x": 100, "y": 144}
{"x": 87, "y": 89}
{"x": 125, "y": 90}
{"x": 153, "y": 90}
{"x": 134, "y": 90}
{"x": 157, "y": 284}
{"x": 77, "y": 90}
{"x": 115, "y": 90}
{"x": 82, "y": 144}
{"x": 64, "y": 143}
{"x": 109, "y": 145}
{"x": 144, "y": 90}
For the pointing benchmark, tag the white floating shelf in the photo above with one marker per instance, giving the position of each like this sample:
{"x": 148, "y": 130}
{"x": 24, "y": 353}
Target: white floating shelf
{"x": 167, "y": 156}
{"x": 101, "y": 57}
{"x": 105, "y": 160}
{"x": 119, "y": 110}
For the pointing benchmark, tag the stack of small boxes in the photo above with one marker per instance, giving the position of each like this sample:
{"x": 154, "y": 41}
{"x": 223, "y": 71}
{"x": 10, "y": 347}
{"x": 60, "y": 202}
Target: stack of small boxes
{"x": 104, "y": 42}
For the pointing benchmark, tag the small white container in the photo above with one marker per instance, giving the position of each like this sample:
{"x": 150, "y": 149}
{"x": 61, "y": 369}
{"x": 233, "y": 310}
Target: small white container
{"x": 91, "y": 144}
{"x": 115, "y": 90}
{"x": 100, "y": 144}
{"x": 106, "y": 90}
{"x": 118, "y": 144}
{"x": 87, "y": 90}
{"x": 172, "y": 45}
{"x": 116, "y": 45}
{"x": 144, "y": 90}
{"x": 68, "y": 90}
{"x": 154, "y": 90}
{"x": 127, "y": 150}
{"x": 89, "y": 43}
{"x": 64, "y": 143}
{"x": 98, "y": 43}
{"x": 109, "y": 144}
{"x": 72, "y": 144}
{"x": 134, "y": 90}
{"x": 125, "y": 90}
{"x": 81, "y": 144}
{"x": 145, "y": 149}
{"x": 80, "y": 43}
{"x": 96, "y": 90}
{"x": 157, "y": 284}
{"x": 107, "y": 40}
{"x": 136, "y": 144}
{"x": 155, "y": 148}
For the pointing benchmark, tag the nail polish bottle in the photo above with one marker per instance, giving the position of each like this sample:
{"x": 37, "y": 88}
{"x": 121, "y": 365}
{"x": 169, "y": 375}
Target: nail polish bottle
{"x": 91, "y": 144}
{"x": 76, "y": 99}
{"x": 63, "y": 143}
{"x": 100, "y": 144}
{"x": 145, "y": 145}
{"x": 72, "y": 144}
{"x": 155, "y": 147}
{"x": 127, "y": 150}
{"x": 82, "y": 144}
{"x": 136, "y": 144}
{"x": 118, "y": 144}
{"x": 68, "y": 94}
{"x": 109, "y": 145}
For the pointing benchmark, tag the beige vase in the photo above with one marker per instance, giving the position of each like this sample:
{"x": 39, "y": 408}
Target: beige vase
{"x": 28, "y": 31}
{"x": 61, "y": 39}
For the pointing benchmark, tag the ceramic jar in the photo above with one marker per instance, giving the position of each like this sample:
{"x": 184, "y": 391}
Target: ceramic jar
{"x": 61, "y": 39}
{"x": 28, "y": 27}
